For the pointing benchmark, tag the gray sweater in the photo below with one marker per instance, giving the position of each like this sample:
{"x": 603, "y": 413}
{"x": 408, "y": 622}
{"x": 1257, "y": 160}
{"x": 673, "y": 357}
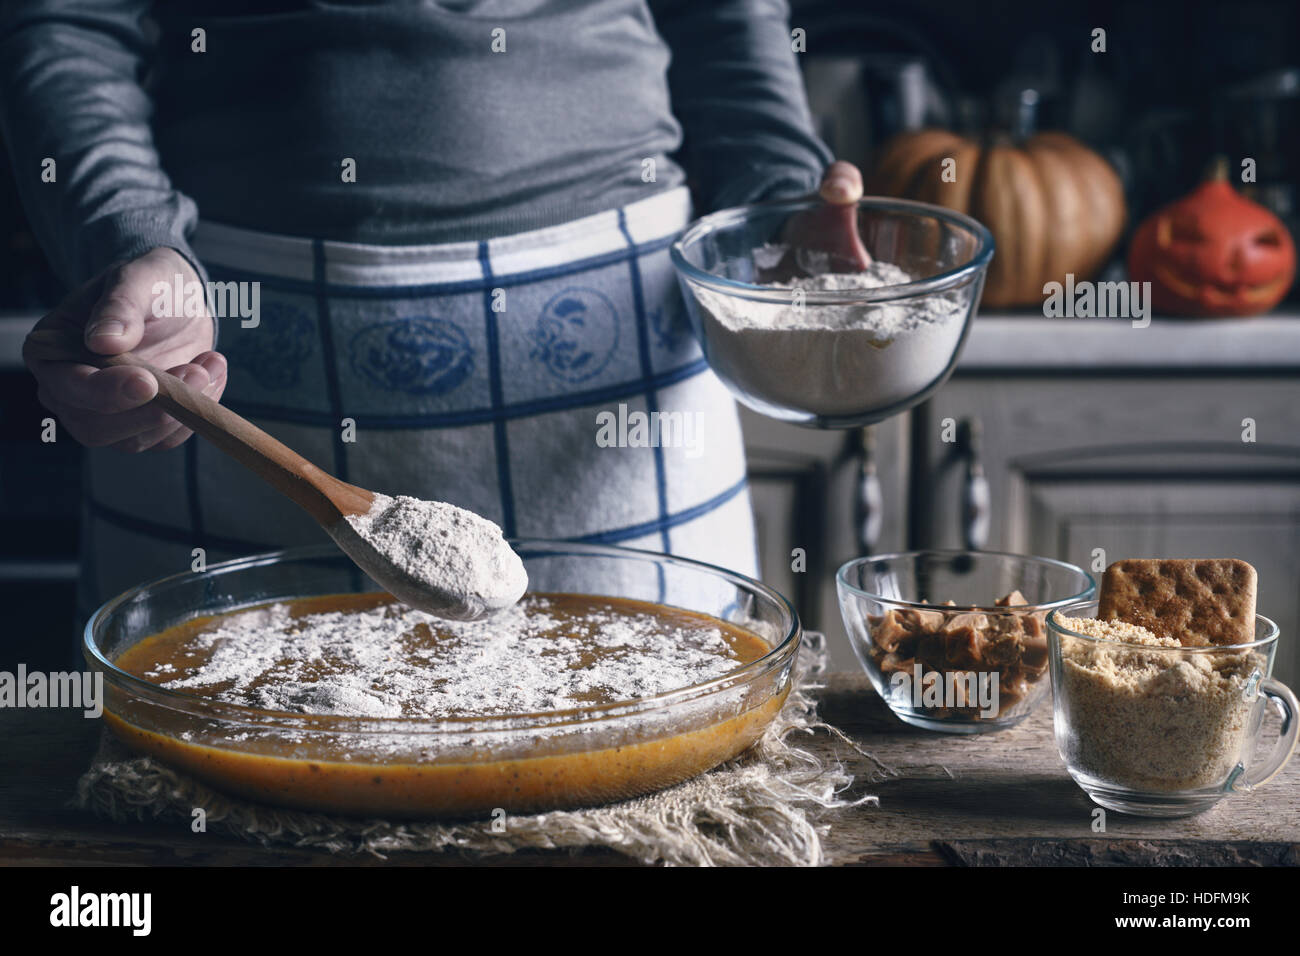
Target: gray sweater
{"x": 451, "y": 140}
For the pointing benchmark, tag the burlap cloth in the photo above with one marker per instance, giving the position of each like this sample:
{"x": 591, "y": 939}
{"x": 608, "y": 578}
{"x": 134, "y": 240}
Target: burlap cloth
{"x": 755, "y": 809}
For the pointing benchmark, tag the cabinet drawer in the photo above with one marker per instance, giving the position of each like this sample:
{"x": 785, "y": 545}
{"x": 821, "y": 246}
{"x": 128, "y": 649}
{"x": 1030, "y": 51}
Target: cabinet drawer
{"x": 1130, "y": 467}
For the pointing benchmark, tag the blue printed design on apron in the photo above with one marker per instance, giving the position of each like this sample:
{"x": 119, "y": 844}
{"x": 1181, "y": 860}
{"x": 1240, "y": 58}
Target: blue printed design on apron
{"x": 576, "y": 335}
{"x": 669, "y": 325}
{"x": 494, "y": 411}
{"x": 273, "y": 352}
{"x": 419, "y": 356}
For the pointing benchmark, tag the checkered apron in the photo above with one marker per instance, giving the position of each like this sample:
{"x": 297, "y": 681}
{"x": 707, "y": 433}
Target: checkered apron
{"x": 474, "y": 373}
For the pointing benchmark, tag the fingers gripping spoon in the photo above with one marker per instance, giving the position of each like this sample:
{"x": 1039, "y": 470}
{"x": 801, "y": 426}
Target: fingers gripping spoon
{"x": 466, "y": 572}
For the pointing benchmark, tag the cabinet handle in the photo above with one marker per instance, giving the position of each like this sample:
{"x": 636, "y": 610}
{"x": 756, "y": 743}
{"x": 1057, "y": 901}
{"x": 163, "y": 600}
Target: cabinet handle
{"x": 869, "y": 502}
{"x": 976, "y": 500}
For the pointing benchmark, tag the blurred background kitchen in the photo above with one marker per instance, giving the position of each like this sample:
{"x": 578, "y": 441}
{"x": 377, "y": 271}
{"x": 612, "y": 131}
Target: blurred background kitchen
{"x": 1082, "y": 439}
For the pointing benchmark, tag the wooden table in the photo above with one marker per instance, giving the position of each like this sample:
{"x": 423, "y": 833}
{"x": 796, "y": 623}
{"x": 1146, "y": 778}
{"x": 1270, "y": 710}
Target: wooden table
{"x": 978, "y": 800}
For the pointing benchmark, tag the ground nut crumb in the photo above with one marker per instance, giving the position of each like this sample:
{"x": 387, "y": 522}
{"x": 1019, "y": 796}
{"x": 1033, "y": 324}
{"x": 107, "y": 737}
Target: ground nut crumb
{"x": 1150, "y": 719}
{"x": 1118, "y": 631}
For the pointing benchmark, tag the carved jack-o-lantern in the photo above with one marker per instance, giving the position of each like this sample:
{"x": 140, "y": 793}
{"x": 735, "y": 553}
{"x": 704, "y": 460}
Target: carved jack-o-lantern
{"x": 1213, "y": 252}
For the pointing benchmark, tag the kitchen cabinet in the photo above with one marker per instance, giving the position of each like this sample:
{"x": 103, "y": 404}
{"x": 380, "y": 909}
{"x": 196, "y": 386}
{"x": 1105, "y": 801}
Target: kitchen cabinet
{"x": 805, "y": 485}
{"x": 40, "y": 494}
{"x": 1088, "y": 441}
{"x": 1089, "y": 471}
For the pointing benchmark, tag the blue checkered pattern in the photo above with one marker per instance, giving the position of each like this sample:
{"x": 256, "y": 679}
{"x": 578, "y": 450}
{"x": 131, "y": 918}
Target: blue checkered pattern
{"x": 474, "y": 373}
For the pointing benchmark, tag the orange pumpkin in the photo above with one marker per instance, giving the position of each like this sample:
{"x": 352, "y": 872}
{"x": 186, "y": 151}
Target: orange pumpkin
{"x": 1053, "y": 205}
{"x": 1213, "y": 253}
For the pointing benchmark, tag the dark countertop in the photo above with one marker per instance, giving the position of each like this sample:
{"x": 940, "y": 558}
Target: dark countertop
{"x": 979, "y": 800}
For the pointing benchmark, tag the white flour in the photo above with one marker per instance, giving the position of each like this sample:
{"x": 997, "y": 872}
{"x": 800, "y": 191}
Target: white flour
{"x": 448, "y": 561}
{"x": 832, "y": 360}
{"x": 379, "y": 662}
{"x": 886, "y": 319}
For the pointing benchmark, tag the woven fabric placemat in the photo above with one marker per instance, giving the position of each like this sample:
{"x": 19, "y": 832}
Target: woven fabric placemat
{"x": 754, "y": 810}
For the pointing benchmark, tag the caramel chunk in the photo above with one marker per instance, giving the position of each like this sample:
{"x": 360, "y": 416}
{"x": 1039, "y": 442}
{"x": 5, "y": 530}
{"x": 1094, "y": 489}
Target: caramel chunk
{"x": 1010, "y": 645}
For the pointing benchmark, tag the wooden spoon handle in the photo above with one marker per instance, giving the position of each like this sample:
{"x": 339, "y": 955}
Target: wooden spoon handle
{"x": 325, "y": 497}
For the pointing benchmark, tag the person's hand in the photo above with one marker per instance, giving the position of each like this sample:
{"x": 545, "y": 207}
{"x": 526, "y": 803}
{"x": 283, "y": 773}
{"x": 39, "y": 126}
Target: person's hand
{"x": 841, "y": 184}
{"x": 831, "y": 227}
{"x": 114, "y": 313}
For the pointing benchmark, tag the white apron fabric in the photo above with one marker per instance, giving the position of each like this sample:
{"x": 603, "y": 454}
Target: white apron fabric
{"x": 496, "y": 411}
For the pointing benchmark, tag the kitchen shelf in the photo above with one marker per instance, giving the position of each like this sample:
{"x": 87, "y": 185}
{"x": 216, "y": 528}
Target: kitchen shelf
{"x": 1006, "y": 342}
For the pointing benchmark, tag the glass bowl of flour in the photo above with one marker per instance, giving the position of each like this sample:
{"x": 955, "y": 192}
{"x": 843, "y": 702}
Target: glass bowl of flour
{"x": 801, "y": 336}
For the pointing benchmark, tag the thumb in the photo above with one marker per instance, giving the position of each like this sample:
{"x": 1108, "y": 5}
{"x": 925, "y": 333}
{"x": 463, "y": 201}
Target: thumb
{"x": 842, "y": 183}
{"x": 117, "y": 319}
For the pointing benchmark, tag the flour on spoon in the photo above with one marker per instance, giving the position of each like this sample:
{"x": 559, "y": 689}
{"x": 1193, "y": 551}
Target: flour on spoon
{"x": 449, "y": 561}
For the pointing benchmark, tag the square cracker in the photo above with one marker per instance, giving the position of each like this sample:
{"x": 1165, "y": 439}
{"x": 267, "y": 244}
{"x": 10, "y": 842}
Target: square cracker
{"x": 1199, "y": 602}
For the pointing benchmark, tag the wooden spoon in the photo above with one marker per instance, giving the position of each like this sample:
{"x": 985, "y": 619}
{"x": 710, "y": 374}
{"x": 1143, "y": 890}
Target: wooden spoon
{"x": 320, "y": 494}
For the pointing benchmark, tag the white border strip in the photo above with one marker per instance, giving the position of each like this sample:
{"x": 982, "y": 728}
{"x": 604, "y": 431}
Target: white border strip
{"x": 286, "y": 257}
{"x": 356, "y": 264}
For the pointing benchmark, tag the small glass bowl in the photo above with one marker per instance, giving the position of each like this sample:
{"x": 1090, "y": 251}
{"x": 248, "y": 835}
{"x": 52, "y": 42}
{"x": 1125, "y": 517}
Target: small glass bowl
{"x": 970, "y": 668}
{"x": 841, "y": 378}
{"x": 414, "y": 767}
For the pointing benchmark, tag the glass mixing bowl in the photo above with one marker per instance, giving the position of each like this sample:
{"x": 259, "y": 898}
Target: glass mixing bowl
{"x": 966, "y": 668}
{"x": 410, "y": 767}
{"x": 840, "y": 377}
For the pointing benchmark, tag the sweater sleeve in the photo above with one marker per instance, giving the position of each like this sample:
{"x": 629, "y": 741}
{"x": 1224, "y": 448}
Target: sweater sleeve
{"x": 737, "y": 91}
{"x": 70, "y": 91}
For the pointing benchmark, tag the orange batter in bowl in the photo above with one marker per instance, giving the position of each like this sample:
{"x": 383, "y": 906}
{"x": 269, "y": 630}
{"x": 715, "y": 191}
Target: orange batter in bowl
{"x": 379, "y": 668}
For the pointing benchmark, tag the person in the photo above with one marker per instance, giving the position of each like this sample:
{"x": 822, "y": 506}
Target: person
{"x": 444, "y": 227}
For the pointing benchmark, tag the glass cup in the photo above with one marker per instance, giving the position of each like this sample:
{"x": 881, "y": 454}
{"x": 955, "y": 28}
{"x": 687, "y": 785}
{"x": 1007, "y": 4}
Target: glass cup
{"x": 1164, "y": 731}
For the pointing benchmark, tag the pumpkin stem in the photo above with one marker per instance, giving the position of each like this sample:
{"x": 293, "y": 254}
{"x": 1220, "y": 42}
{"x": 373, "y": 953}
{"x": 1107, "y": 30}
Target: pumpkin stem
{"x": 1217, "y": 171}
